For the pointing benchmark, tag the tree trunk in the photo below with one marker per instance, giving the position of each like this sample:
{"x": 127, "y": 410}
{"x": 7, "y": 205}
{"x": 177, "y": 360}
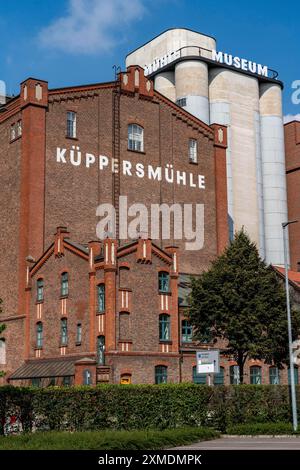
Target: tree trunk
{"x": 241, "y": 362}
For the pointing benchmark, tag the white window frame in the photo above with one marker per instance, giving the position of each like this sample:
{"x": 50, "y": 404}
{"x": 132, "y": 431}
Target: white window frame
{"x": 193, "y": 150}
{"x": 135, "y": 138}
{"x": 71, "y": 124}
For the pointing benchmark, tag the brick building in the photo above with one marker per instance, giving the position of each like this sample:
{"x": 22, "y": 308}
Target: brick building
{"x": 84, "y": 311}
{"x": 292, "y": 156}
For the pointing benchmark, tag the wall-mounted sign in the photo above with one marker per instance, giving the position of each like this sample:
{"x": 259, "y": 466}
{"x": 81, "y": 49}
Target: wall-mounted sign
{"x": 208, "y": 362}
{"x": 220, "y": 57}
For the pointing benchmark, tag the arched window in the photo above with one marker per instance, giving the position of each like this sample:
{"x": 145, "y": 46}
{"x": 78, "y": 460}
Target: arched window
{"x": 164, "y": 327}
{"x": 78, "y": 333}
{"x": 2, "y": 351}
{"x": 186, "y": 331}
{"x": 296, "y": 376}
{"x": 274, "y": 376}
{"x": 101, "y": 350}
{"x": 40, "y": 290}
{"x": 87, "y": 377}
{"x": 101, "y": 298}
{"x": 161, "y": 374}
{"x": 234, "y": 373}
{"x": 39, "y": 334}
{"x": 64, "y": 331}
{"x": 255, "y": 375}
{"x": 64, "y": 284}
{"x": 198, "y": 378}
{"x": 219, "y": 378}
{"x": 135, "y": 137}
{"x": 163, "y": 281}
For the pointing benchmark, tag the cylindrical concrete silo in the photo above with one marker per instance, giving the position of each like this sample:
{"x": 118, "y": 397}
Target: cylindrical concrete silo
{"x": 273, "y": 166}
{"x": 191, "y": 81}
{"x": 234, "y": 101}
{"x": 164, "y": 83}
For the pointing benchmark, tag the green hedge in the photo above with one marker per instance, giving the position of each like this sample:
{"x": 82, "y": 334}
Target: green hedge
{"x": 143, "y": 406}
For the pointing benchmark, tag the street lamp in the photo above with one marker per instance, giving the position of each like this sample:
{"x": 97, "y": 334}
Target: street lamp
{"x": 288, "y": 308}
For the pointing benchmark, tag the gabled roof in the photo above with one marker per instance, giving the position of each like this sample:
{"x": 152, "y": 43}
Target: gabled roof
{"x": 294, "y": 276}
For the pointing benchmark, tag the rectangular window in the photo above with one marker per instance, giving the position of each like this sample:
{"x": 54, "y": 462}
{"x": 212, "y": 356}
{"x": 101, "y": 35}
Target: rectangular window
{"x": 40, "y": 290}
{"x": 64, "y": 288}
{"x": 64, "y": 332}
{"x": 161, "y": 374}
{"x": 181, "y": 102}
{"x": 12, "y": 132}
{"x": 186, "y": 331}
{"x": 71, "y": 124}
{"x": 101, "y": 298}
{"x": 19, "y": 128}
{"x": 193, "y": 151}
{"x": 135, "y": 138}
{"x": 164, "y": 328}
{"x": 78, "y": 333}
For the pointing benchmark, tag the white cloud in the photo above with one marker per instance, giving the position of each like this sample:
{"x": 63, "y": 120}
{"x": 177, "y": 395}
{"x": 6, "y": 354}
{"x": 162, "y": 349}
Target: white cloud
{"x": 291, "y": 117}
{"x": 91, "y": 26}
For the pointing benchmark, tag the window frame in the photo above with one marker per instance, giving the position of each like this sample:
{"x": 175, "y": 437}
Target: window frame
{"x": 101, "y": 295}
{"x": 234, "y": 375}
{"x": 64, "y": 284}
{"x": 40, "y": 290}
{"x": 64, "y": 331}
{"x": 100, "y": 353}
{"x": 255, "y": 376}
{"x": 87, "y": 377}
{"x": 161, "y": 374}
{"x": 186, "y": 337}
{"x": 134, "y": 142}
{"x": 71, "y": 125}
{"x": 193, "y": 150}
{"x": 161, "y": 288}
{"x": 78, "y": 333}
{"x": 164, "y": 327}
{"x": 39, "y": 335}
{"x": 275, "y": 376}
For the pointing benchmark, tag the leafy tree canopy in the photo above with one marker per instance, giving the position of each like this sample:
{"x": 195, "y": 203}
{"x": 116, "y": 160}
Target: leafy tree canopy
{"x": 241, "y": 300}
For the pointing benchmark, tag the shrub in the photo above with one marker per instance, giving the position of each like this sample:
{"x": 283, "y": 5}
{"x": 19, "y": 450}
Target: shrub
{"x": 142, "y": 406}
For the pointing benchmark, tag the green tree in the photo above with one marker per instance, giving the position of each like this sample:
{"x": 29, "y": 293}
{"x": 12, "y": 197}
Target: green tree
{"x": 241, "y": 301}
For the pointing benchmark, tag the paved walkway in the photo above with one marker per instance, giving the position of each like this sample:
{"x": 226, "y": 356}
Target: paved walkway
{"x": 247, "y": 443}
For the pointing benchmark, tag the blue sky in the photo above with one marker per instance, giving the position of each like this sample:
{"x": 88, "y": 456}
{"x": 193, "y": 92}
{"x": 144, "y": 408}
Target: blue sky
{"x": 78, "y": 41}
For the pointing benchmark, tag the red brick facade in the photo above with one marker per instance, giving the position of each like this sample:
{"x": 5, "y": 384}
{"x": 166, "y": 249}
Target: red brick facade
{"x": 292, "y": 155}
{"x": 47, "y": 190}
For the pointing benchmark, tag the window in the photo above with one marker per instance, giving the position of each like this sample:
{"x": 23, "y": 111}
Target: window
{"x": 66, "y": 381}
{"x": 87, "y": 377}
{"x": 100, "y": 350}
{"x": 193, "y": 150}
{"x": 19, "y": 128}
{"x": 255, "y": 375}
{"x": 161, "y": 374}
{"x": 234, "y": 373}
{"x": 101, "y": 298}
{"x": 71, "y": 124}
{"x": 186, "y": 331}
{"x": 274, "y": 376}
{"x": 2, "y": 351}
{"x": 164, "y": 327}
{"x": 40, "y": 290}
{"x": 12, "y": 132}
{"x": 198, "y": 378}
{"x": 39, "y": 335}
{"x": 135, "y": 138}
{"x": 219, "y": 378}
{"x": 36, "y": 382}
{"x": 163, "y": 282}
{"x": 64, "y": 331}
{"x": 296, "y": 379}
{"x": 64, "y": 284}
{"x": 181, "y": 102}
{"x": 78, "y": 333}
